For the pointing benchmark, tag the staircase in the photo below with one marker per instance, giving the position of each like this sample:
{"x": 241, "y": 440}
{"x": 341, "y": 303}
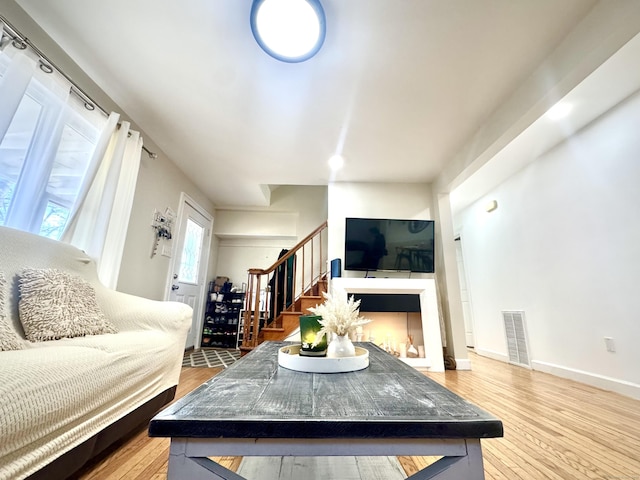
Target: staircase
{"x": 278, "y": 295}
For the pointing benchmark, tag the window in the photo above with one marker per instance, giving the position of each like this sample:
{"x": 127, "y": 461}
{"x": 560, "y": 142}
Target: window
{"x": 63, "y": 162}
{"x": 54, "y": 220}
{"x": 44, "y": 155}
{"x": 190, "y": 259}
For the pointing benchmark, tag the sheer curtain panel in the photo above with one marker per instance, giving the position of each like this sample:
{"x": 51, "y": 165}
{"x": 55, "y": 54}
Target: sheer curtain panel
{"x": 66, "y": 172}
{"x": 99, "y": 226}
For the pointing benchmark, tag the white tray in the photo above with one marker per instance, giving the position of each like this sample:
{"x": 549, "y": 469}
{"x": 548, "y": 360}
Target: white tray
{"x": 289, "y": 357}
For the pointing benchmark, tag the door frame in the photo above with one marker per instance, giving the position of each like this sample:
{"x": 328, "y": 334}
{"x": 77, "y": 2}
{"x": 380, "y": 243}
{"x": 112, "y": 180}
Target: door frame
{"x": 198, "y": 315}
{"x": 468, "y": 319}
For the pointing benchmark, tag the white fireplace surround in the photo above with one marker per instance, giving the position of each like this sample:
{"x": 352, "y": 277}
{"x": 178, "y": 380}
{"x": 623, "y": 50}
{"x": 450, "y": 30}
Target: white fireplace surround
{"x": 426, "y": 289}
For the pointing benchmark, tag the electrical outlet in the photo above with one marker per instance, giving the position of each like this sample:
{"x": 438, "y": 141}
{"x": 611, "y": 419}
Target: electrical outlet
{"x": 609, "y": 343}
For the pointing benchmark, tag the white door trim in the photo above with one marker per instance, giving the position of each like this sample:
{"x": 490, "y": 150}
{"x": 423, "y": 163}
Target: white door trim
{"x": 462, "y": 273}
{"x": 199, "y": 311}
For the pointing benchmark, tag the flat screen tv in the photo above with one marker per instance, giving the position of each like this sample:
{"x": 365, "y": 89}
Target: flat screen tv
{"x": 373, "y": 244}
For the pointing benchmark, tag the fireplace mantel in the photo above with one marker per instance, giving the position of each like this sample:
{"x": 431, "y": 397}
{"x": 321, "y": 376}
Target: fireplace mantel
{"x": 426, "y": 289}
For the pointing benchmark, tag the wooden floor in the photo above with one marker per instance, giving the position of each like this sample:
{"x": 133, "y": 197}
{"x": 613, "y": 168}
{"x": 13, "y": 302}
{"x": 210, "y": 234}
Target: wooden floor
{"x": 554, "y": 429}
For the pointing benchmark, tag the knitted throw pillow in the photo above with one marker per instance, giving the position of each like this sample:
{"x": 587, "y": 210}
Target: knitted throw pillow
{"x": 9, "y": 340}
{"x": 54, "y": 304}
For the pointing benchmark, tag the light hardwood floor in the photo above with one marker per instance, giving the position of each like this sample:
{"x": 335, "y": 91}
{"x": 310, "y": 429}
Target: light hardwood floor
{"x": 554, "y": 429}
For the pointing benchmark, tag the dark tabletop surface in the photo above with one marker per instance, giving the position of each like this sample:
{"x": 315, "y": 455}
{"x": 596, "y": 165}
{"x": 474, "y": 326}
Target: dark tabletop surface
{"x": 256, "y": 398}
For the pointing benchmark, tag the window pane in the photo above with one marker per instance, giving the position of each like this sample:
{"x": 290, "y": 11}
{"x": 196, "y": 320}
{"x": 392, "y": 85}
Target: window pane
{"x": 54, "y": 221}
{"x": 190, "y": 259}
{"x": 26, "y": 163}
{"x": 13, "y": 149}
{"x": 6, "y": 192}
{"x": 70, "y": 166}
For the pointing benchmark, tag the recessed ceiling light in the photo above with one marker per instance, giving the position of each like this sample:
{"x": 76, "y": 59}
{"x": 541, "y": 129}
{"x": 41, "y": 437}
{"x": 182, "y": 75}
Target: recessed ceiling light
{"x": 559, "y": 110}
{"x": 336, "y": 162}
{"x": 288, "y": 30}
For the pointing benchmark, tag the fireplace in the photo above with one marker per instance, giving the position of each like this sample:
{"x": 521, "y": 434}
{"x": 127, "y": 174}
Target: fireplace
{"x": 410, "y": 295}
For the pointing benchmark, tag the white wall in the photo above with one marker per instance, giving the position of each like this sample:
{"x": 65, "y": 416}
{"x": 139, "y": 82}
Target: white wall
{"x": 159, "y": 186}
{"x": 564, "y": 246}
{"x": 237, "y": 256}
{"x": 159, "y": 180}
{"x": 254, "y": 238}
{"x": 411, "y": 201}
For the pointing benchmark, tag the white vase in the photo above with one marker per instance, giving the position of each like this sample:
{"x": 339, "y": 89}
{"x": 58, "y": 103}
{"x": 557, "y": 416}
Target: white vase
{"x": 341, "y": 346}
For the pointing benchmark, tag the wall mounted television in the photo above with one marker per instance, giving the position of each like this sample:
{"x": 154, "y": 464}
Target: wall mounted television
{"x": 373, "y": 244}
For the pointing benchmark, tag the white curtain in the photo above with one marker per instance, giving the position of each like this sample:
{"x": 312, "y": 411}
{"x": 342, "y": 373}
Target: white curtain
{"x": 49, "y": 97}
{"x": 38, "y": 121}
{"x": 99, "y": 224}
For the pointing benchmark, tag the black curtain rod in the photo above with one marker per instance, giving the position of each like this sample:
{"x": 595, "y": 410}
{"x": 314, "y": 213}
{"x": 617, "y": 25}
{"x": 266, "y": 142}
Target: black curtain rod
{"x": 21, "y": 42}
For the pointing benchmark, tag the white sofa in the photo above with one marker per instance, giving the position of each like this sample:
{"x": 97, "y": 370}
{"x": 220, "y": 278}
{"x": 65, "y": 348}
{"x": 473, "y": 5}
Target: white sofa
{"x": 63, "y": 401}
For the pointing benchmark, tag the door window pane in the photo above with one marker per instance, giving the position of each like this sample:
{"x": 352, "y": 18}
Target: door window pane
{"x": 190, "y": 258}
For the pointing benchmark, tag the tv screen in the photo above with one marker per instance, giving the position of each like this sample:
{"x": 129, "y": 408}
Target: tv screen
{"x": 394, "y": 245}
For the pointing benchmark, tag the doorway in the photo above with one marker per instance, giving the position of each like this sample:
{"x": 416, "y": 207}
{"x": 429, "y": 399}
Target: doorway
{"x": 188, "y": 268}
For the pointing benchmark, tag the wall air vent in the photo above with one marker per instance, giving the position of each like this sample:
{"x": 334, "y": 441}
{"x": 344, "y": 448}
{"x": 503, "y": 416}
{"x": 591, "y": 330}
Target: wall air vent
{"x": 516, "y": 335}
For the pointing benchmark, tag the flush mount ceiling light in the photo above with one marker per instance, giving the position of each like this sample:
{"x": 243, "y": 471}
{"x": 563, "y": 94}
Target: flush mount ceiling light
{"x": 288, "y": 30}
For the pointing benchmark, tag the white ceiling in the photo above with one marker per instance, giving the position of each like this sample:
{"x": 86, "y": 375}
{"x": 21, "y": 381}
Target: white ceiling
{"x": 398, "y": 88}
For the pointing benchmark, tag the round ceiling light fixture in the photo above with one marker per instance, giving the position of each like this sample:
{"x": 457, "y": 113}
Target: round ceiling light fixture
{"x": 288, "y": 30}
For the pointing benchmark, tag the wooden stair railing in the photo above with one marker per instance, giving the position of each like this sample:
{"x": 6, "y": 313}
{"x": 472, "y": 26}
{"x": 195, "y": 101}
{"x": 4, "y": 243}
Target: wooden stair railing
{"x": 274, "y": 292}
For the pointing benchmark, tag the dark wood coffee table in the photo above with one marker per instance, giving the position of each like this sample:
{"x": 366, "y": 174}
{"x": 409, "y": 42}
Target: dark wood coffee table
{"x": 257, "y": 408}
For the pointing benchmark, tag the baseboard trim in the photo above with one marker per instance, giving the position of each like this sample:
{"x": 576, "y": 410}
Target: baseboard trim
{"x": 491, "y": 354}
{"x": 600, "y": 381}
{"x": 463, "y": 364}
{"x": 606, "y": 383}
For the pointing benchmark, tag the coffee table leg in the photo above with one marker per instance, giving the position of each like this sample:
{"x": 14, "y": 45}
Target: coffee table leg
{"x": 468, "y": 467}
{"x": 182, "y": 467}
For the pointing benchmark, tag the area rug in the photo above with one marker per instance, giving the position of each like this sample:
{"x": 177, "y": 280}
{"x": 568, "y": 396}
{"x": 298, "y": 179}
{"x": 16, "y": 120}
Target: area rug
{"x": 210, "y": 358}
{"x": 321, "y": 468}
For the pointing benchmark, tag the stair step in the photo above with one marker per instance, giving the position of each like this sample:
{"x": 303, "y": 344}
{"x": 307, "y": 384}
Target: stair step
{"x": 288, "y": 320}
{"x": 309, "y": 301}
{"x": 321, "y": 286}
{"x": 289, "y": 323}
{"x": 273, "y": 329}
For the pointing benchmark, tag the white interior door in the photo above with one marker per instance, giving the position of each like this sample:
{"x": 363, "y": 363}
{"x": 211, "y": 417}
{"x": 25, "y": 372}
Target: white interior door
{"x": 464, "y": 296}
{"x": 190, "y": 265}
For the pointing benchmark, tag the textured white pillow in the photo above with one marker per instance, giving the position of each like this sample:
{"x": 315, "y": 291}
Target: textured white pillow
{"x": 9, "y": 340}
{"x": 54, "y": 304}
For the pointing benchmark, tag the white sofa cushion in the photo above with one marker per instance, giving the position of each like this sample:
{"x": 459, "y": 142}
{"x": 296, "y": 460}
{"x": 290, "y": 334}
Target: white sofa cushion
{"x": 57, "y": 394}
{"x": 54, "y": 395}
{"x": 8, "y": 338}
{"x": 54, "y": 304}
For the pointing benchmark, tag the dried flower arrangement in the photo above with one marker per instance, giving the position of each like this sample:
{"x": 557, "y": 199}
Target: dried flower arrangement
{"x": 340, "y": 314}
